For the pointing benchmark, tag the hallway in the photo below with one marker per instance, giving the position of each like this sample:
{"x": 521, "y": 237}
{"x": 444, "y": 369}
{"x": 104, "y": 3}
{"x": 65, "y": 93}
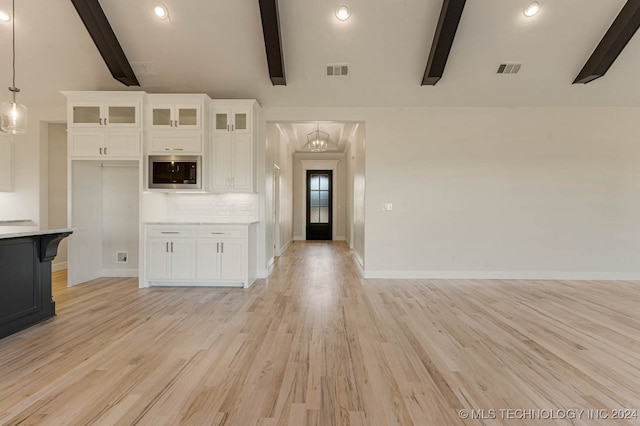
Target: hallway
{"x": 316, "y": 344}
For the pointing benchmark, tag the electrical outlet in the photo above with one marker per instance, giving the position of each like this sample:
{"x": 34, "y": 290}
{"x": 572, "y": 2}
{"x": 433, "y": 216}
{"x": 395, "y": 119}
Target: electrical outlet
{"x": 387, "y": 207}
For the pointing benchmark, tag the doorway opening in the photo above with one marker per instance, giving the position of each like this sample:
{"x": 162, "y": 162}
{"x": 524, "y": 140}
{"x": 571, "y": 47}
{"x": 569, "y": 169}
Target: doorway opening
{"x": 319, "y": 205}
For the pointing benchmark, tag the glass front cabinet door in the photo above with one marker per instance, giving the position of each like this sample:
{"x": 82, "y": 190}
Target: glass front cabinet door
{"x": 231, "y": 120}
{"x": 176, "y": 117}
{"x": 111, "y": 115}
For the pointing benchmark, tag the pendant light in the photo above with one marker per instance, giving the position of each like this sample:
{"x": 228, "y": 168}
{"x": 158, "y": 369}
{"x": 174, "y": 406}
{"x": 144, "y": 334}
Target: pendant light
{"x": 13, "y": 115}
{"x": 317, "y": 141}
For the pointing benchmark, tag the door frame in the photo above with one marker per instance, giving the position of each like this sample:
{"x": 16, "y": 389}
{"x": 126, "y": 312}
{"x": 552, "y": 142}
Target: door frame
{"x": 319, "y": 165}
{"x": 308, "y": 224}
{"x": 277, "y": 244}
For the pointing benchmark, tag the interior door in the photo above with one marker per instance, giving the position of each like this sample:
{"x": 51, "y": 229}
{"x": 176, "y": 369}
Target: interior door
{"x": 319, "y": 204}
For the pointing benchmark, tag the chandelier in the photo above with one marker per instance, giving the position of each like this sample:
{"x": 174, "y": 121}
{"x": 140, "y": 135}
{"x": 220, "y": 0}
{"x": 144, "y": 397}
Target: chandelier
{"x": 317, "y": 141}
{"x": 13, "y": 115}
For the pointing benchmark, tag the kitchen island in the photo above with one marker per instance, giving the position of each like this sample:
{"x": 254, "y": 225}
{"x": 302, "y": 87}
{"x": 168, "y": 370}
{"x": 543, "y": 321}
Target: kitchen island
{"x": 26, "y": 253}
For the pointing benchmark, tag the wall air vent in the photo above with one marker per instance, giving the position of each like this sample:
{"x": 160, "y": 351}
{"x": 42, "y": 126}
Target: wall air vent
{"x": 141, "y": 69}
{"x": 508, "y": 68}
{"x": 337, "y": 70}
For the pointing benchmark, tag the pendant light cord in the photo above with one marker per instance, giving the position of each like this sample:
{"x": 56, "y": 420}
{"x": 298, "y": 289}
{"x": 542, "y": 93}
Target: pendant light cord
{"x": 13, "y": 36}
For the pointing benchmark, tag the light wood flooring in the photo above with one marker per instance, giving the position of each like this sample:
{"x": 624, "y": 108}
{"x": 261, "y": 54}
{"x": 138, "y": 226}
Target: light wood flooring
{"x": 316, "y": 344}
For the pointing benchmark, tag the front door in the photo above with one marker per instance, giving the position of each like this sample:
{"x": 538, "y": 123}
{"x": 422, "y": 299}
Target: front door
{"x": 319, "y": 204}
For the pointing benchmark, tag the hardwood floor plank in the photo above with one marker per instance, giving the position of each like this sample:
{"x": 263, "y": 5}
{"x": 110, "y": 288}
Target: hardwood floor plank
{"x": 315, "y": 344}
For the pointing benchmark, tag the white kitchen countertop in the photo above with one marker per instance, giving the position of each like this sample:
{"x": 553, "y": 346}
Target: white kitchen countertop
{"x": 28, "y": 231}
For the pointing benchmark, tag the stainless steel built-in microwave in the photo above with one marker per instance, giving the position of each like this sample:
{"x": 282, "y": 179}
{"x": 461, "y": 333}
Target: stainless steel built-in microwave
{"x": 175, "y": 172}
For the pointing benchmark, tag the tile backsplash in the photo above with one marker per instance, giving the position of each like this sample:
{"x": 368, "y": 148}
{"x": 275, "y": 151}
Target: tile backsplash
{"x": 212, "y": 207}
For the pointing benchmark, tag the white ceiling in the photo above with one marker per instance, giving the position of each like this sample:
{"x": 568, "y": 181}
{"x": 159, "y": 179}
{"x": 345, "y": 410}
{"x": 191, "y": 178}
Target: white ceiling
{"x": 216, "y": 47}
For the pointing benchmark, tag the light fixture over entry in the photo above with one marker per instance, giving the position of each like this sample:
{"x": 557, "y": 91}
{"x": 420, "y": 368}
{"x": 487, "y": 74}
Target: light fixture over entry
{"x": 13, "y": 116}
{"x": 317, "y": 141}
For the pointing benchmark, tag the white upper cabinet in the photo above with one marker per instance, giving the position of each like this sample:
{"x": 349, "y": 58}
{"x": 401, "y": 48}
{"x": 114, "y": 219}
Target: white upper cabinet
{"x": 231, "y": 117}
{"x": 234, "y": 136}
{"x": 104, "y": 125}
{"x": 176, "y": 123}
{"x": 176, "y": 117}
{"x": 104, "y": 109}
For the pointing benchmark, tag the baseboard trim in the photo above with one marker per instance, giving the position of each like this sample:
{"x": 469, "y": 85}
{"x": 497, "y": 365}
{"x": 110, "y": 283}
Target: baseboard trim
{"x": 117, "y": 273}
{"x": 359, "y": 261}
{"x": 505, "y": 275}
{"x": 285, "y": 247}
{"x": 60, "y": 266}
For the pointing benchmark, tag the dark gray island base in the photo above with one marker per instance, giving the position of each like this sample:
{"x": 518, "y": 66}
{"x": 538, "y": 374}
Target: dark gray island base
{"x": 25, "y": 278}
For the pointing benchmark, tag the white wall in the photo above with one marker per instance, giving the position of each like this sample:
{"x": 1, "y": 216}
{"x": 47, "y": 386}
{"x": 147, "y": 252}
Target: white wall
{"x": 476, "y": 192}
{"x": 277, "y": 154}
{"x": 57, "y": 184}
{"x": 498, "y": 192}
{"x": 357, "y": 181}
{"x": 30, "y": 168}
{"x": 285, "y": 162}
{"x": 120, "y": 217}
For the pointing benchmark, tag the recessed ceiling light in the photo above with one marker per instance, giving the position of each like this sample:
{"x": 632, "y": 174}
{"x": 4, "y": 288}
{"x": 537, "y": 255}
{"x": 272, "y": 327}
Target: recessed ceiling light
{"x": 4, "y": 16}
{"x": 161, "y": 11}
{"x": 532, "y": 8}
{"x": 342, "y": 12}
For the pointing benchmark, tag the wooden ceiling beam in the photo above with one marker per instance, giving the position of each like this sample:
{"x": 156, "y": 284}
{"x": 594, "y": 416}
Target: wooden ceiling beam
{"x": 613, "y": 42}
{"x": 443, "y": 40}
{"x": 105, "y": 40}
{"x": 273, "y": 41}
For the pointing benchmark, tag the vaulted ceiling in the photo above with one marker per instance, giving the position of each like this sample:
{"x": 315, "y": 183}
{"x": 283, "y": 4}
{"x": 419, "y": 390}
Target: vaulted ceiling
{"x": 217, "y": 47}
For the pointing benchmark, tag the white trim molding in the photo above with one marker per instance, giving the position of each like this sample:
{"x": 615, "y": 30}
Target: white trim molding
{"x": 505, "y": 275}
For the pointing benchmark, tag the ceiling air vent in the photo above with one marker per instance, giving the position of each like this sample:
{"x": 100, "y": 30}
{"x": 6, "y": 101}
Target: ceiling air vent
{"x": 509, "y": 68}
{"x": 337, "y": 70}
{"x": 144, "y": 68}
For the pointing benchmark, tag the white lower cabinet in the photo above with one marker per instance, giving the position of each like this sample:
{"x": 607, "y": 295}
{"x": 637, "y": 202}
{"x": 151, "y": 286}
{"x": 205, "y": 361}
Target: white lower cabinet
{"x": 199, "y": 255}
{"x": 170, "y": 254}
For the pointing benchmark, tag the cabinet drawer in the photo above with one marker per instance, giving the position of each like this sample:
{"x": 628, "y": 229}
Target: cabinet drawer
{"x": 172, "y": 143}
{"x": 222, "y": 232}
{"x": 171, "y": 232}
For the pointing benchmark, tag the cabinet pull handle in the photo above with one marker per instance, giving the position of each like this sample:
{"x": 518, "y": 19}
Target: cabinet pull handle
{"x": 169, "y": 232}
{"x": 101, "y": 151}
{"x": 166, "y": 249}
{"x": 221, "y": 247}
{"x": 233, "y": 127}
{"x": 105, "y": 121}
{"x": 217, "y": 233}
{"x": 105, "y": 150}
{"x": 174, "y": 149}
{"x": 228, "y": 127}
{"x": 101, "y": 121}
{"x": 217, "y": 247}
{"x": 171, "y": 246}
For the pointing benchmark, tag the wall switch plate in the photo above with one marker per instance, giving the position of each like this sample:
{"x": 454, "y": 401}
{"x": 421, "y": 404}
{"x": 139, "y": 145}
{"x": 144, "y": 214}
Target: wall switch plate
{"x": 387, "y": 207}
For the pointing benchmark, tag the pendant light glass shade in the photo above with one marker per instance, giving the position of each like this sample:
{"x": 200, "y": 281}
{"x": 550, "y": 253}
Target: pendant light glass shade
{"x": 317, "y": 141}
{"x": 13, "y": 115}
